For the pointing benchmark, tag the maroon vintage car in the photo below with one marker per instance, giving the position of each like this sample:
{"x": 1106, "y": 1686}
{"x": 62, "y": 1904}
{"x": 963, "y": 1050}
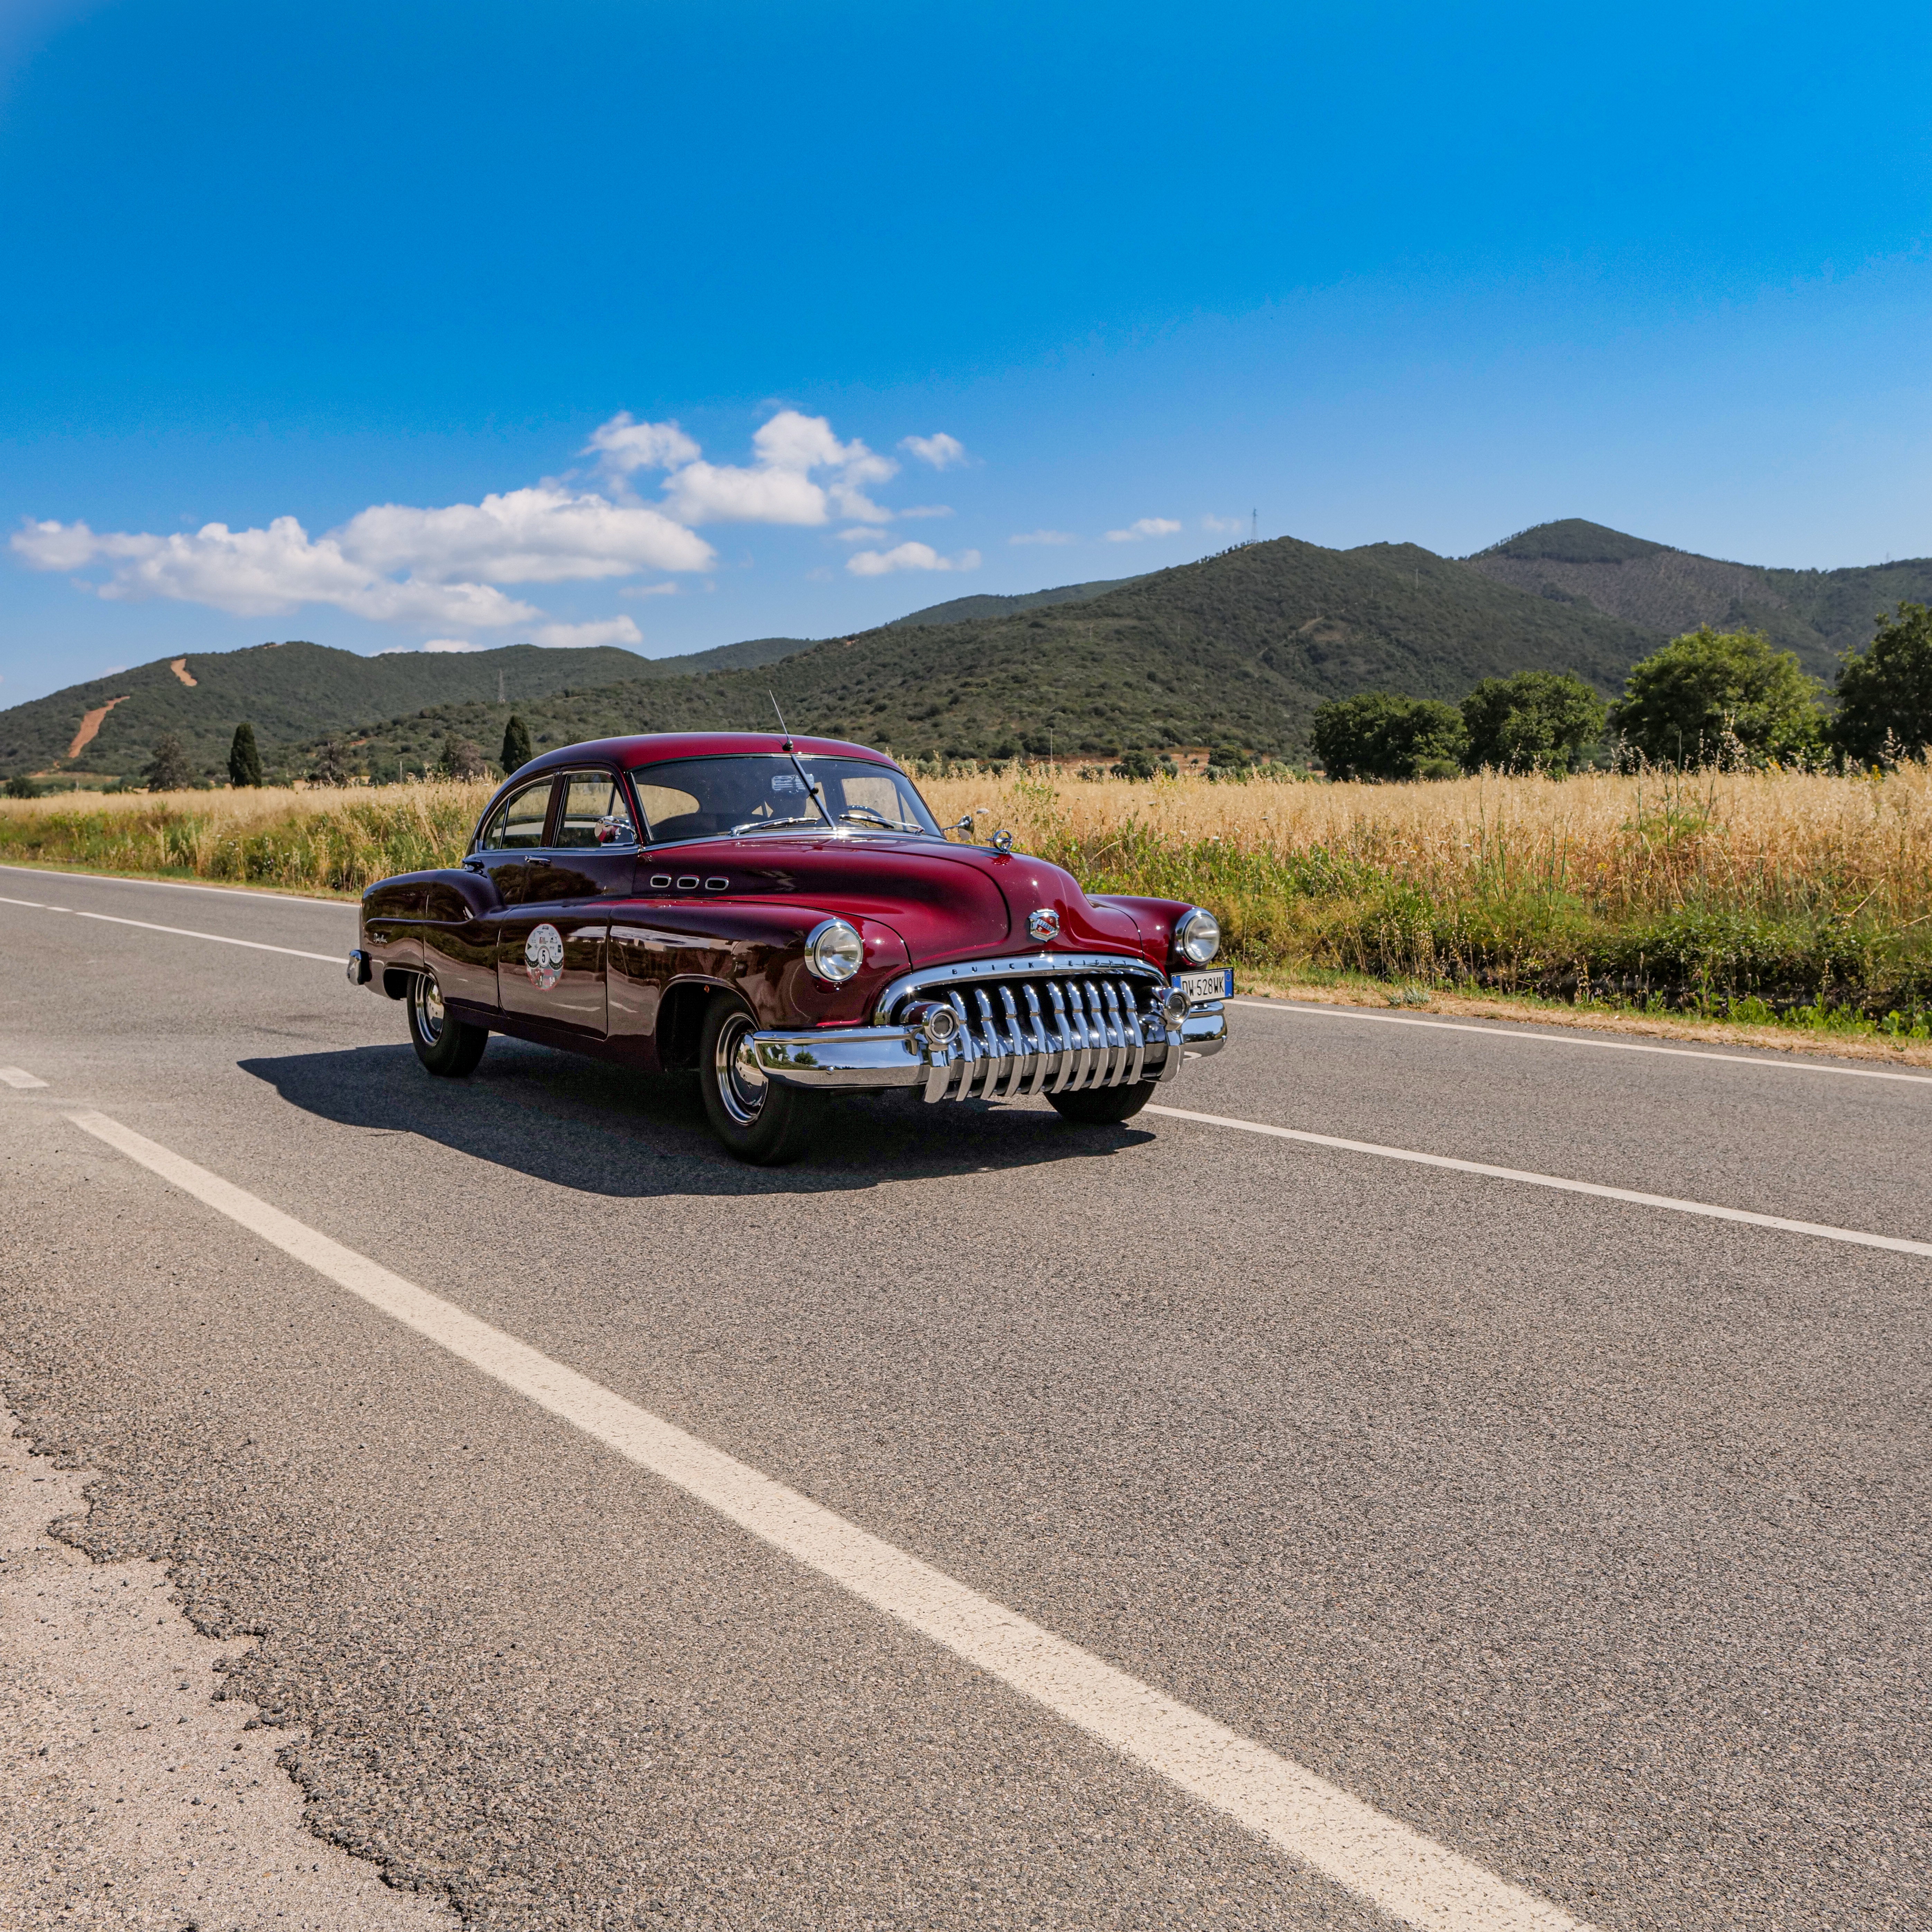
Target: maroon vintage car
{"x": 786, "y": 919}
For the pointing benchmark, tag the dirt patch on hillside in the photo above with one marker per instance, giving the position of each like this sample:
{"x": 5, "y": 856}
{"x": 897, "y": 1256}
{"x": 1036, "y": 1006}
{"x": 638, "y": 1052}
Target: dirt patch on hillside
{"x": 90, "y": 722}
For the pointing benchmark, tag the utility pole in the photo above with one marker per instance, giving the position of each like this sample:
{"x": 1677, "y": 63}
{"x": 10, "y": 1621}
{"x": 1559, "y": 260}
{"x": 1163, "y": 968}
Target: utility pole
{"x": 1254, "y": 527}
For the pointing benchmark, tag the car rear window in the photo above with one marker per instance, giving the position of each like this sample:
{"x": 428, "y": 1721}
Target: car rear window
{"x": 518, "y": 821}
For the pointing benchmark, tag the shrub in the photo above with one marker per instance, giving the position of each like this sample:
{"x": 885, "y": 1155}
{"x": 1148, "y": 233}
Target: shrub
{"x": 1537, "y": 721}
{"x": 1885, "y": 691}
{"x": 169, "y": 769}
{"x": 517, "y": 752}
{"x": 22, "y": 787}
{"x": 330, "y": 767}
{"x": 1383, "y": 735}
{"x": 462, "y": 760}
{"x": 1720, "y": 697}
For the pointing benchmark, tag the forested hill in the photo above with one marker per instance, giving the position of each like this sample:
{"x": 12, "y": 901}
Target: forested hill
{"x": 1238, "y": 649}
{"x": 970, "y": 609}
{"x": 1819, "y": 614}
{"x": 294, "y": 692}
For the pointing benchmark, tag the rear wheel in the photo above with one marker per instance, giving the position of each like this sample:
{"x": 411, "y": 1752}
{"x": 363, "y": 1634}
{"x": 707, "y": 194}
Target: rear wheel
{"x": 758, "y": 1119}
{"x": 443, "y": 1043}
{"x": 1102, "y": 1106}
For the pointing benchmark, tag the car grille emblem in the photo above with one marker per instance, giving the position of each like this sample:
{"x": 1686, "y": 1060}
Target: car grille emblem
{"x": 543, "y": 956}
{"x": 1043, "y": 925}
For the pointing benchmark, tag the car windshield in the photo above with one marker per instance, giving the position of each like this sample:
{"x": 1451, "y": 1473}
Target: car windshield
{"x": 705, "y": 798}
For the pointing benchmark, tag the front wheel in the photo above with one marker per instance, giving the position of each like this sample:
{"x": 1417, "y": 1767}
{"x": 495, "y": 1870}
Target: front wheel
{"x": 443, "y": 1043}
{"x": 758, "y": 1119}
{"x": 1102, "y": 1106}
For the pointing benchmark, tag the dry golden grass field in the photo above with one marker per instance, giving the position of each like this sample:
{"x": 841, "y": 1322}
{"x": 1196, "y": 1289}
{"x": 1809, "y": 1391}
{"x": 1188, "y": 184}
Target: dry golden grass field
{"x": 1803, "y": 899}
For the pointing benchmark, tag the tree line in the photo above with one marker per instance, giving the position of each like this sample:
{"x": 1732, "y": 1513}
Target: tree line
{"x": 1709, "y": 697}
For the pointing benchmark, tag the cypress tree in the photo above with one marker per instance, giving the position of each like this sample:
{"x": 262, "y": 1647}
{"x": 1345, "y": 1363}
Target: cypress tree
{"x": 244, "y": 760}
{"x": 517, "y": 751}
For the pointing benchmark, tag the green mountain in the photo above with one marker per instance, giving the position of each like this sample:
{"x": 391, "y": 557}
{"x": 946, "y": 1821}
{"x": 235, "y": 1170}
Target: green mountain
{"x": 295, "y": 692}
{"x": 1240, "y": 648}
{"x": 1819, "y": 614}
{"x": 970, "y": 609}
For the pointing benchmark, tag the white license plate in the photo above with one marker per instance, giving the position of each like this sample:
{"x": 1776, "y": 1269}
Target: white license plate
{"x": 1218, "y": 984}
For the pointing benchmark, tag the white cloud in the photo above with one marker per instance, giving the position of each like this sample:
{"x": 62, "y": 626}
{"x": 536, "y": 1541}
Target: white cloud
{"x": 705, "y": 493}
{"x": 666, "y": 589}
{"x": 441, "y": 644}
{"x": 862, "y": 533}
{"x": 259, "y": 573}
{"x": 777, "y": 487}
{"x": 1146, "y": 526}
{"x": 579, "y": 636}
{"x": 941, "y": 451}
{"x": 908, "y": 557}
{"x": 543, "y": 535}
{"x": 1042, "y": 537}
{"x": 623, "y": 444}
{"x": 927, "y": 510}
{"x": 440, "y": 567}
{"x": 1224, "y": 526}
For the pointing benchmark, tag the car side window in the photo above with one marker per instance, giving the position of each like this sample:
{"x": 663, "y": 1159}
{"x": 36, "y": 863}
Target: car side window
{"x": 517, "y": 823}
{"x": 593, "y": 812}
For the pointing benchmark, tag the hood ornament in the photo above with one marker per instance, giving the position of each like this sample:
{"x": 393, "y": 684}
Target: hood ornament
{"x": 1003, "y": 840}
{"x": 1043, "y": 925}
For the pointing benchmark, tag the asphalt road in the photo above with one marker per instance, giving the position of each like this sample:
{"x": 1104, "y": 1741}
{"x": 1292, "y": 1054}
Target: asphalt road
{"x": 1587, "y": 1538}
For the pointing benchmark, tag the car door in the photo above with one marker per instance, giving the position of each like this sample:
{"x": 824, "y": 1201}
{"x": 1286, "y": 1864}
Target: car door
{"x": 551, "y": 954}
{"x": 461, "y": 927}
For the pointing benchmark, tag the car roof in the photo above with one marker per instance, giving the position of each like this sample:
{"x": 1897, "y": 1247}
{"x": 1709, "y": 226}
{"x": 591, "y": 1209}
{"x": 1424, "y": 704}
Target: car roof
{"x": 655, "y": 747}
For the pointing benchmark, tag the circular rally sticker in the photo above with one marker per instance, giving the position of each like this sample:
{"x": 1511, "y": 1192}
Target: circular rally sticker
{"x": 543, "y": 956}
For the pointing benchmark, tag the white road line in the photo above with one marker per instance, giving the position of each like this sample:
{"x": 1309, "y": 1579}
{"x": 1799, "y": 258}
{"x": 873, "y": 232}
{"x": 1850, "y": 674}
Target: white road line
{"x": 182, "y": 932}
{"x": 19, "y": 1076}
{"x": 1523, "y": 1033}
{"x": 1818, "y": 1230}
{"x": 1411, "y": 1877}
{"x": 181, "y": 886}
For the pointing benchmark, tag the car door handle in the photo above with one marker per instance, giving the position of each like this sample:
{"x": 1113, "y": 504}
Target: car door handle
{"x": 539, "y": 861}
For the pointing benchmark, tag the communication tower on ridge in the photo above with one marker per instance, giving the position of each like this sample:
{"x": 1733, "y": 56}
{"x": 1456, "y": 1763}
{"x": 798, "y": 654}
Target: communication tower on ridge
{"x": 1254, "y": 527}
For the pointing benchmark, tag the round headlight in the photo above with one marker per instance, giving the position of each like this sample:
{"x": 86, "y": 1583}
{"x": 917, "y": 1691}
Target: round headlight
{"x": 1197, "y": 934}
{"x": 834, "y": 950}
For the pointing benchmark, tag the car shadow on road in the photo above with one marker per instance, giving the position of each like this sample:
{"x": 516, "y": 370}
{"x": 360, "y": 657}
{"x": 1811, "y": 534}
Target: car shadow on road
{"x": 585, "y": 1124}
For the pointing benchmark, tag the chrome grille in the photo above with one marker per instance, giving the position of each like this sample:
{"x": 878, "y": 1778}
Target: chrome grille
{"x": 1049, "y": 1033}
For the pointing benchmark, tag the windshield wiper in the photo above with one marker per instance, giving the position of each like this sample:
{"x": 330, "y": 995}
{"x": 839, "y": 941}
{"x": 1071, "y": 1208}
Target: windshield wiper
{"x": 767, "y": 824}
{"x": 866, "y": 813}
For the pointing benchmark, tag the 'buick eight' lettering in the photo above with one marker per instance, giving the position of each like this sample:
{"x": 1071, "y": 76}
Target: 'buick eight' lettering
{"x": 841, "y": 941}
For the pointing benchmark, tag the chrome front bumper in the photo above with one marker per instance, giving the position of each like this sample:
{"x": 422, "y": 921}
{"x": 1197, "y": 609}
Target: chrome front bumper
{"x": 998, "y": 1065}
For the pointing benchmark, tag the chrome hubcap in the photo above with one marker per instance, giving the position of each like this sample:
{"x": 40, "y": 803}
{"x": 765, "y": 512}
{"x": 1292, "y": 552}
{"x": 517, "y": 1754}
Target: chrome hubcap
{"x": 429, "y": 1009}
{"x": 742, "y": 1084}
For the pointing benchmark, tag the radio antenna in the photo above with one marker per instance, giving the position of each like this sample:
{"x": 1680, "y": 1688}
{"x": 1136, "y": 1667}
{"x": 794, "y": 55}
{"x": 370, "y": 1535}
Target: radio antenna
{"x": 811, "y": 790}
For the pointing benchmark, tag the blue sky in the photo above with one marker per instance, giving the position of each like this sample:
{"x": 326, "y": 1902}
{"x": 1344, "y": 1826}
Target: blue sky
{"x": 371, "y": 324}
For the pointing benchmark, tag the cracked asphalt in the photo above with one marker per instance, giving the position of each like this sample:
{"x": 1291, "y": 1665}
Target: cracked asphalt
{"x": 1588, "y": 1539}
